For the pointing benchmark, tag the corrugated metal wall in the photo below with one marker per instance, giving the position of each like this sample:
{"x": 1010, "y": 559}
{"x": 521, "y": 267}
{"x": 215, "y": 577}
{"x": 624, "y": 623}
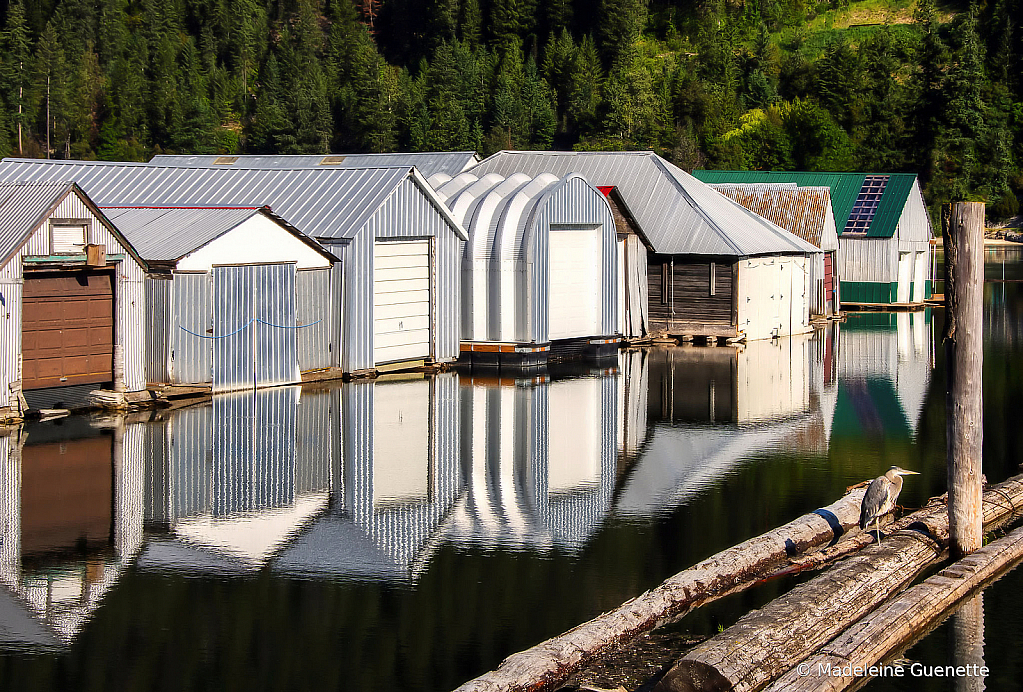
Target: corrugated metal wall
{"x": 10, "y": 507}
{"x": 874, "y": 260}
{"x": 406, "y": 214}
{"x": 158, "y": 334}
{"x": 254, "y": 450}
{"x": 316, "y": 345}
{"x": 254, "y": 323}
{"x": 191, "y": 356}
{"x": 318, "y": 442}
{"x": 245, "y": 451}
{"x": 401, "y": 529}
{"x": 189, "y": 463}
{"x": 11, "y": 288}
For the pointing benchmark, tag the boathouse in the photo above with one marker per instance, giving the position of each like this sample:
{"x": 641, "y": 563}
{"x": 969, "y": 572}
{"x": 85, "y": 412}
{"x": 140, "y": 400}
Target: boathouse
{"x": 235, "y": 297}
{"x": 884, "y": 231}
{"x": 428, "y": 163}
{"x": 805, "y": 212}
{"x": 71, "y": 300}
{"x": 399, "y": 245}
{"x": 713, "y": 268}
{"x": 539, "y": 271}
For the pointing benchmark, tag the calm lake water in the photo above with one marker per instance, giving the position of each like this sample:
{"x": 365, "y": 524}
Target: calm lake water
{"x": 410, "y": 534}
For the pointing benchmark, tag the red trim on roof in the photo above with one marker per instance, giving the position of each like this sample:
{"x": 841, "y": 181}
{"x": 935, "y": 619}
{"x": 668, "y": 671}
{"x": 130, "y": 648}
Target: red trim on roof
{"x": 131, "y": 206}
{"x": 605, "y": 189}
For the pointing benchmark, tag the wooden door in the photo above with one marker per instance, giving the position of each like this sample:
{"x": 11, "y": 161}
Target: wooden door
{"x": 68, "y": 329}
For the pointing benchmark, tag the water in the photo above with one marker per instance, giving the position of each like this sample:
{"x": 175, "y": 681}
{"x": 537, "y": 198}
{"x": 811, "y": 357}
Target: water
{"x": 410, "y": 534}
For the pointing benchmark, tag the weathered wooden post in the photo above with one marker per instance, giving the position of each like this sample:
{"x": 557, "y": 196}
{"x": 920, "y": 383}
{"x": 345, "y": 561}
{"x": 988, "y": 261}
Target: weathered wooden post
{"x": 963, "y": 234}
{"x": 968, "y": 643}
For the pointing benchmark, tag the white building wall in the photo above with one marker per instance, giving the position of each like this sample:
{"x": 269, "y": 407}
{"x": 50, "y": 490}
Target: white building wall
{"x": 257, "y": 240}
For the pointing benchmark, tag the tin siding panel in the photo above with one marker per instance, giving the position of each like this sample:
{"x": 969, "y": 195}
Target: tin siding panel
{"x": 191, "y": 357}
{"x": 316, "y": 307}
{"x": 275, "y": 330}
{"x": 873, "y": 260}
{"x": 189, "y": 463}
{"x": 158, "y": 292}
{"x": 10, "y": 338}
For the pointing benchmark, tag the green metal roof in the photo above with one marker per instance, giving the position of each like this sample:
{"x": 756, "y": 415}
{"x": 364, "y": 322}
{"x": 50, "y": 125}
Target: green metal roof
{"x": 845, "y": 188}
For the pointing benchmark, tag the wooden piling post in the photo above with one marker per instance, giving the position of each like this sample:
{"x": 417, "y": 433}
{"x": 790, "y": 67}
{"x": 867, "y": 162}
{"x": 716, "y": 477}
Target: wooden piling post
{"x": 963, "y": 234}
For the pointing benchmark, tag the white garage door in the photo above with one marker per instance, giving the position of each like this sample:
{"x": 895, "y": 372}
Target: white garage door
{"x": 401, "y": 301}
{"x": 575, "y": 283}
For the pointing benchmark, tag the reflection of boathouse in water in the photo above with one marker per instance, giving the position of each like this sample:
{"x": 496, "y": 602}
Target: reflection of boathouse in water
{"x": 70, "y": 524}
{"x": 884, "y": 371}
{"x": 710, "y": 410}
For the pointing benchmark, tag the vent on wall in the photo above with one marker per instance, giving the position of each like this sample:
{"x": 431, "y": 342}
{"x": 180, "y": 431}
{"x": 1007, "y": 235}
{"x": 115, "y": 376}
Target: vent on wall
{"x": 225, "y": 160}
{"x": 331, "y": 160}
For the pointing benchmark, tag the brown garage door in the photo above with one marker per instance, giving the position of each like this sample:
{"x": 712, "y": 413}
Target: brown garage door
{"x": 68, "y": 329}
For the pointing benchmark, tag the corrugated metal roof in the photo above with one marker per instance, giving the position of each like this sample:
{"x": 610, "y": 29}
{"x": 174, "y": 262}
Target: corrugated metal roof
{"x": 167, "y": 234}
{"x": 803, "y": 211}
{"x": 676, "y": 212}
{"x": 324, "y": 203}
{"x": 845, "y": 188}
{"x": 23, "y": 206}
{"x": 428, "y": 163}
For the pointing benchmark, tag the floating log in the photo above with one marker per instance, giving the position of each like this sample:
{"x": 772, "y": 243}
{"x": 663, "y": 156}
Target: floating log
{"x": 895, "y": 625}
{"x": 765, "y": 643}
{"x": 854, "y": 542}
{"x": 549, "y": 664}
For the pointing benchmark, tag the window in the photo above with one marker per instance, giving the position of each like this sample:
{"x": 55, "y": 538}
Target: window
{"x": 713, "y": 283}
{"x": 67, "y": 238}
{"x": 865, "y": 206}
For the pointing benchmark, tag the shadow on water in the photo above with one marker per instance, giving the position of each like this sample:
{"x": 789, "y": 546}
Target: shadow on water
{"x": 411, "y": 533}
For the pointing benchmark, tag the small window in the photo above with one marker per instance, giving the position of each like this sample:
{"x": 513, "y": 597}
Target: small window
{"x": 67, "y": 239}
{"x": 713, "y": 272}
{"x": 225, "y": 160}
{"x": 665, "y": 284}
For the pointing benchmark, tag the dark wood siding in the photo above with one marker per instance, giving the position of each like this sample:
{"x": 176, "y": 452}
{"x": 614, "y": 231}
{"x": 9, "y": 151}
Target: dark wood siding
{"x": 67, "y": 329}
{"x": 696, "y": 311}
{"x": 623, "y": 223}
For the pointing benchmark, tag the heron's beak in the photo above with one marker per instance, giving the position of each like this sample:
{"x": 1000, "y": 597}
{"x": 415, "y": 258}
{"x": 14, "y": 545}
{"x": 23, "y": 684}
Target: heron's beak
{"x": 904, "y": 472}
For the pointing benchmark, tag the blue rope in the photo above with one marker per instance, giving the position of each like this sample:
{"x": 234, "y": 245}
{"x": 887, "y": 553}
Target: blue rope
{"x": 285, "y": 326}
{"x": 223, "y": 336}
{"x": 256, "y": 319}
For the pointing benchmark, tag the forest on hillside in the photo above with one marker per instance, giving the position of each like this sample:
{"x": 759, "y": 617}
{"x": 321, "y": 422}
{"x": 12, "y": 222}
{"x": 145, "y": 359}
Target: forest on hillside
{"x": 750, "y": 84}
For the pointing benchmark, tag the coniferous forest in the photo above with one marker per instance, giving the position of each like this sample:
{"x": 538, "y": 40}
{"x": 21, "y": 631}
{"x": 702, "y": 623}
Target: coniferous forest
{"x": 875, "y": 85}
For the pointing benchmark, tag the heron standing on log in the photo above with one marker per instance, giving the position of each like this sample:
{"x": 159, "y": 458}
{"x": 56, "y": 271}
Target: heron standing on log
{"x": 880, "y": 497}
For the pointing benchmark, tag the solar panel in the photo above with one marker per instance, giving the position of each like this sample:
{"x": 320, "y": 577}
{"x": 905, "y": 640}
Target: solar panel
{"x": 866, "y": 204}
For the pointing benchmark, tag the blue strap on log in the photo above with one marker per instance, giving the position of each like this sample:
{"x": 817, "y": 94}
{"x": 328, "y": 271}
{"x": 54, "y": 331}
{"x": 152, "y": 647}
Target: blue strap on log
{"x": 833, "y": 522}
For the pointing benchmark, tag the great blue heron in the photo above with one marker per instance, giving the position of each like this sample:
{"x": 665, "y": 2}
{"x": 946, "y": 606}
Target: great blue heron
{"x": 880, "y": 497}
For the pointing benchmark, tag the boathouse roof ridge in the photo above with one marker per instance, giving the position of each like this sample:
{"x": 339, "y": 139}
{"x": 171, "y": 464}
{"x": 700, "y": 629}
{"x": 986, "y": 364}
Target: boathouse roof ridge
{"x": 429, "y": 162}
{"x": 325, "y": 203}
{"x": 24, "y": 204}
{"x": 845, "y": 189}
{"x": 804, "y": 211}
{"x": 676, "y": 213}
{"x": 166, "y": 234}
